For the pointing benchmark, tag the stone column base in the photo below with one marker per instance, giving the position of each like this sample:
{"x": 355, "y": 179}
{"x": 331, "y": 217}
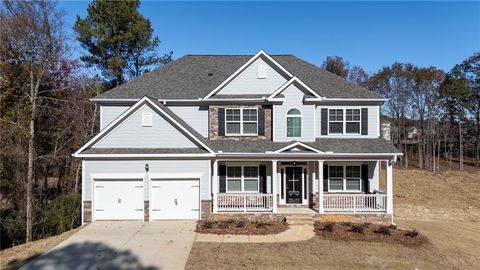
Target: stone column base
{"x": 87, "y": 211}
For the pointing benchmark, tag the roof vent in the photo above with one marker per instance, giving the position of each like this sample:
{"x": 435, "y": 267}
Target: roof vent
{"x": 210, "y": 74}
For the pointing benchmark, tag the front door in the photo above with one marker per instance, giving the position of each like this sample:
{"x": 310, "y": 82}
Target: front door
{"x": 294, "y": 184}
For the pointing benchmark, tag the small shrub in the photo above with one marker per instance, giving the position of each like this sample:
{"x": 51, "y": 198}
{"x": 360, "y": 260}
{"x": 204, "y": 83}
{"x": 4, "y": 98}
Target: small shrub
{"x": 208, "y": 224}
{"x": 412, "y": 233}
{"x": 261, "y": 224}
{"x": 231, "y": 221}
{"x": 383, "y": 230}
{"x": 240, "y": 224}
{"x": 223, "y": 224}
{"x": 392, "y": 226}
{"x": 329, "y": 227}
{"x": 358, "y": 228}
{"x": 347, "y": 224}
{"x": 367, "y": 224}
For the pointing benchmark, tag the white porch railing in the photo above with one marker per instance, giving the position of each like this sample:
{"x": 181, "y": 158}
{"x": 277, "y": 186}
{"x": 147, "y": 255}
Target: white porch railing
{"x": 240, "y": 202}
{"x": 354, "y": 202}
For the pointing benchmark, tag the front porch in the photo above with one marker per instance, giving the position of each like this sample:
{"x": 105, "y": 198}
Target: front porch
{"x": 345, "y": 187}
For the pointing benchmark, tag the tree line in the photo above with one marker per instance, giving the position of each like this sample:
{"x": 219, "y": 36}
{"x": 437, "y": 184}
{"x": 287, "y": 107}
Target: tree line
{"x": 434, "y": 115}
{"x": 46, "y": 115}
{"x": 45, "y": 112}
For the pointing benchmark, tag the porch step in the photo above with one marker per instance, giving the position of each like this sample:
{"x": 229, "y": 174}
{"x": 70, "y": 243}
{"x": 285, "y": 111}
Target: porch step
{"x": 300, "y": 219}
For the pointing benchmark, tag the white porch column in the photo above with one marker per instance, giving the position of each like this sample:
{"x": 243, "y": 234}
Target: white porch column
{"x": 274, "y": 186}
{"x": 215, "y": 186}
{"x": 389, "y": 186}
{"x": 320, "y": 187}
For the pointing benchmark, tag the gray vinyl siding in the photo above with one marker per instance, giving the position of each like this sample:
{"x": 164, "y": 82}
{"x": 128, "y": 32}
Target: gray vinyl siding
{"x": 247, "y": 82}
{"x": 131, "y": 134}
{"x": 137, "y": 167}
{"x": 293, "y": 99}
{"x": 195, "y": 116}
{"x": 373, "y": 121}
{"x": 110, "y": 113}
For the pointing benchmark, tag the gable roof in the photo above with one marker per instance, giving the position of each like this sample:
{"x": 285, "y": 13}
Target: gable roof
{"x": 297, "y": 81}
{"x": 163, "y": 111}
{"x": 196, "y": 76}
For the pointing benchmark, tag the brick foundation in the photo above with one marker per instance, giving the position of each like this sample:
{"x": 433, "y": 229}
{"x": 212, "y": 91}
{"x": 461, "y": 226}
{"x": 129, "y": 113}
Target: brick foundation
{"x": 248, "y": 216}
{"x": 146, "y": 210}
{"x": 213, "y": 133}
{"x": 87, "y": 211}
{"x": 206, "y": 209}
{"x": 380, "y": 218}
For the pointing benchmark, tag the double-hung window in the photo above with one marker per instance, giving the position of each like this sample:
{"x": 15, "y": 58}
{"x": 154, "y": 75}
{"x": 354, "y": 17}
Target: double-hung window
{"x": 352, "y": 121}
{"x": 241, "y": 121}
{"x": 242, "y": 179}
{"x": 344, "y": 178}
{"x": 344, "y": 121}
{"x": 335, "y": 121}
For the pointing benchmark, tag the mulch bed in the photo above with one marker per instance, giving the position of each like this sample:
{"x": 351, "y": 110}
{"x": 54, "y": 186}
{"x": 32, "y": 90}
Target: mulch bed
{"x": 369, "y": 233}
{"x": 241, "y": 227}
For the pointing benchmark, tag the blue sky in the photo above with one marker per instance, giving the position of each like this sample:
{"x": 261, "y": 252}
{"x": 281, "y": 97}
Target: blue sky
{"x": 368, "y": 34}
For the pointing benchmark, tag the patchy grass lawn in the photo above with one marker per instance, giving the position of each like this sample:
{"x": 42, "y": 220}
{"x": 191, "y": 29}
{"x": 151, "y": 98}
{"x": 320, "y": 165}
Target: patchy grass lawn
{"x": 13, "y": 258}
{"x": 442, "y": 206}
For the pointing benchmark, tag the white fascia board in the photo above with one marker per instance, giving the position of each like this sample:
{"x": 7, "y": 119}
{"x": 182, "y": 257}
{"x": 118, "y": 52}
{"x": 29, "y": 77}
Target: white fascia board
{"x": 318, "y": 155}
{"x": 242, "y": 68}
{"x": 294, "y": 79}
{"x": 356, "y": 99}
{"x": 298, "y": 144}
{"x": 114, "y": 100}
{"x": 141, "y": 155}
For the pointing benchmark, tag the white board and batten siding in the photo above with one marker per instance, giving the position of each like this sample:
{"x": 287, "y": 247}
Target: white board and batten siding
{"x": 131, "y": 133}
{"x": 373, "y": 121}
{"x": 294, "y": 100}
{"x": 249, "y": 83}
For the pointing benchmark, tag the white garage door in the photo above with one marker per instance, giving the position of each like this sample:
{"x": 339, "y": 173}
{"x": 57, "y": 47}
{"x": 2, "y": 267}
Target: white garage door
{"x": 175, "y": 199}
{"x": 118, "y": 199}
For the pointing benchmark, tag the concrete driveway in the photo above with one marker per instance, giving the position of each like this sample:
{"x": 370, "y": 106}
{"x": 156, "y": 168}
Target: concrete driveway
{"x": 122, "y": 245}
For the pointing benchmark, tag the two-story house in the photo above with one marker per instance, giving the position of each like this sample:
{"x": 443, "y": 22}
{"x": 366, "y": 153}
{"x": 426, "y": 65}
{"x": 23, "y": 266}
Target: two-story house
{"x": 210, "y": 134}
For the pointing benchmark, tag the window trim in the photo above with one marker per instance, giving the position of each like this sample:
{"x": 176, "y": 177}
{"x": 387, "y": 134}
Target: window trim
{"x": 344, "y": 121}
{"x": 242, "y": 179}
{"x": 294, "y": 116}
{"x": 241, "y": 121}
{"x": 344, "y": 179}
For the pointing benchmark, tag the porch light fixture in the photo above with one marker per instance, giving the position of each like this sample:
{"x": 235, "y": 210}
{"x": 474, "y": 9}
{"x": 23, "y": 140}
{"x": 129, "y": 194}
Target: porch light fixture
{"x": 146, "y": 167}
{"x": 294, "y": 163}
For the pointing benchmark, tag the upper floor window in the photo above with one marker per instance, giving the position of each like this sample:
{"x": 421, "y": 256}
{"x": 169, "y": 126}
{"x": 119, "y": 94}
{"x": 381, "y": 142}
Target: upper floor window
{"x": 352, "y": 125}
{"x": 294, "y": 123}
{"x": 335, "y": 119}
{"x": 338, "y": 124}
{"x": 241, "y": 121}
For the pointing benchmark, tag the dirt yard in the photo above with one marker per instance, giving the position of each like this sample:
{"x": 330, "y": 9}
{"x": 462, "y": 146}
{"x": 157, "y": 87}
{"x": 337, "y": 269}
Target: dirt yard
{"x": 14, "y": 257}
{"x": 442, "y": 206}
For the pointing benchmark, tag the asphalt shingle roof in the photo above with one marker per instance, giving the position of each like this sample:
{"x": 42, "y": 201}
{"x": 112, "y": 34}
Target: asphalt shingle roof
{"x": 195, "y": 76}
{"x": 145, "y": 151}
{"x": 375, "y": 146}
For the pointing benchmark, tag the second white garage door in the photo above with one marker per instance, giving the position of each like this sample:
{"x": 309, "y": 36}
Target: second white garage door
{"x": 175, "y": 199}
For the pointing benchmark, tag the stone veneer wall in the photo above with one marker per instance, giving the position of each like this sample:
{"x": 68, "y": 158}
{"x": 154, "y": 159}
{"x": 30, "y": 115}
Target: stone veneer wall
{"x": 146, "y": 210}
{"x": 213, "y": 131}
{"x": 379, "y": 218}
{"x": 206, "y": 209}
{"x": 87, "y": 211}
